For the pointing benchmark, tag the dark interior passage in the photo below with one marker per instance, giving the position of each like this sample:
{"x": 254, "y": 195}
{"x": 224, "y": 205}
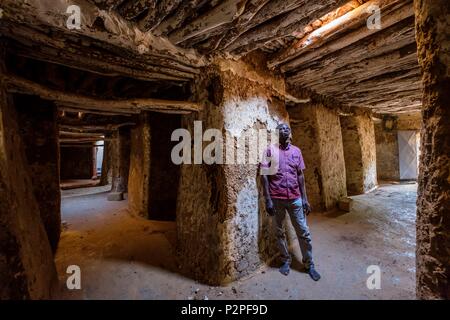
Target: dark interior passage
{"x": 164, "y": 174}
{"x": 76, "y": 162}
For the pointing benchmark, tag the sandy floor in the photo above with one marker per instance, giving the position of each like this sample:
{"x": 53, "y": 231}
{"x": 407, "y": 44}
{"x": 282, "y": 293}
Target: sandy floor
{"x": 122, "y": 257}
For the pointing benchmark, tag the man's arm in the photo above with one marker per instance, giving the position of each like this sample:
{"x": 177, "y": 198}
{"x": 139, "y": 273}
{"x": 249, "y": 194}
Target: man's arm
{"x": 269, "y": 203}
{"x": 301, "y": 183}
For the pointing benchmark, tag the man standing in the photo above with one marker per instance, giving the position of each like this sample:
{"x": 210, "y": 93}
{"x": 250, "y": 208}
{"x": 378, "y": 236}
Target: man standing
{"x": 284, "y": 190}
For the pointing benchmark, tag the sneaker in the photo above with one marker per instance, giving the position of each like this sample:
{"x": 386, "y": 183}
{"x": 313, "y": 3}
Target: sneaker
{"x": 285, "y": 268}
{"x": 313, "y": 274}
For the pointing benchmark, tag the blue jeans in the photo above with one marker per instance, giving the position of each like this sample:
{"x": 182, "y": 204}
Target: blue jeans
{"x": 295, "y": 209}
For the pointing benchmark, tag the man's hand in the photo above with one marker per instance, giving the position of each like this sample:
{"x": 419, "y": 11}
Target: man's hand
{"x": 306, "y": 207}
{"x": 269, "y": 207}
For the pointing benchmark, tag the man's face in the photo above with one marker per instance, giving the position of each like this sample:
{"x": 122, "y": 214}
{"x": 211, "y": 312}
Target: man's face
{"x": 284, "y": 131}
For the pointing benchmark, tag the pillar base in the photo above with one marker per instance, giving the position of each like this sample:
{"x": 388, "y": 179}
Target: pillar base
{"x": 116, "y": 196}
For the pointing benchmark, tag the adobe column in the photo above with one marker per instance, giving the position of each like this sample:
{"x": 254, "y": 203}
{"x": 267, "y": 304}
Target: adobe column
{"x": 433, "y": 203}
{"x": 39, "y": 132}
{"x": 223, "y": 231}
{"x": 316, "y": 130}
{"x": 27, "y": 269}
{"x": 358, "y": 137}
{"x": 120, "y": 164}
{"x": 139, "y": 179}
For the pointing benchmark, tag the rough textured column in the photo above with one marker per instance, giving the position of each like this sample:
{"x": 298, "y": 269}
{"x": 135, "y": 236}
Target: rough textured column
{"x": 94, "y": 162}
{"x": 120, "y": 164}
{"x": 223, "y": 231}
{"x": 106, "y": 164}
{"x": 27, "y": 269}
{"x": 433, "y": 203}
{"x": 139, "y": 179}
{"x": 358, "y": 136}
{"x": 39, "y": 131}
{"x": 317, "y": 131}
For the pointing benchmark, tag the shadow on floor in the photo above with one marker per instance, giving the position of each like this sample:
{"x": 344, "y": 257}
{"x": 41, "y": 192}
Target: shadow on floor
{"x": 100, "y": 232}
{"x": 125, "y": 257}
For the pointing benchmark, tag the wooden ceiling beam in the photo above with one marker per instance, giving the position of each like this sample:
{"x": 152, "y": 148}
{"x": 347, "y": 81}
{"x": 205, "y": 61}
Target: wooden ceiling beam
{"x": 398, "y": 36}
{"x": 104, "y": 64}
{"x": 366, "y": 69}
{"x": 185, "y": 10}
{"x": 132, "y": 8}
{"x": 17, "y": 84}
{"x": 115, "y": 32}
{"x": 323, "y": 34}
{"x": 223, "y": 14}
{"x": 107, "y": 4}
{"x": 256, "y": 13}
{"x": 94, "y": 128}
{"x": 282, "y": 26}
{"x": 153, "y": 18}
{"x": 388, "y": 19}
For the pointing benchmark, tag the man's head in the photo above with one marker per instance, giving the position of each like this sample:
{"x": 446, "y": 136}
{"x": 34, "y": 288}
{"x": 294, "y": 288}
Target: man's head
{"x": 284, "y": 132}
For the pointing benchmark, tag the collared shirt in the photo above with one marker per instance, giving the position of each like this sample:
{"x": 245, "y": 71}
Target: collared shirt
{"x": 282, "y": 167}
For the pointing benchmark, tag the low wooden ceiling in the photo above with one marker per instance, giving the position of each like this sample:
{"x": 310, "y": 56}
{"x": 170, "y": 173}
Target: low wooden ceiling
{"x": 323, "y": 45}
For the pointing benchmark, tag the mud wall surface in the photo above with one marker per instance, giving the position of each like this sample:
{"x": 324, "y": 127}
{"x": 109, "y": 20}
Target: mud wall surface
{"x": 154, "y": 178}
{"x": 106, "y": 174}
{"x": 223, "y": 230}
{"x": 27, "y": 269}
{"x": 139, "y": 176}
{"x": 121, "y": 150}
{"x": 358, "y": 136}
{"x": 433, "y": 202}
{"x": 316, "y": 130}
{"x": 412, "y": 121}
{"x": 388, "y": 167}
{"x": 304, "y": 135}
{"x": 332, "y": 150}
{"x": 369, "y": 153}
{"x": 39, "y": 132}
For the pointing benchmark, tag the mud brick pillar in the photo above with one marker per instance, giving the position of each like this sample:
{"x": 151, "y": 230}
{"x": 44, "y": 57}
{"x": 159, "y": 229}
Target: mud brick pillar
{"x": 433, "y": 203}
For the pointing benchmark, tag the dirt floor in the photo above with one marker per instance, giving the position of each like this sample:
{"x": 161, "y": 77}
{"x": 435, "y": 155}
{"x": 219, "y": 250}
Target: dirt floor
{"x": 122, "y": 257}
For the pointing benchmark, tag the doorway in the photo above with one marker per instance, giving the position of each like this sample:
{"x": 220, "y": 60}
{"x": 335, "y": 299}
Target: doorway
{"x": 408, "y": 154}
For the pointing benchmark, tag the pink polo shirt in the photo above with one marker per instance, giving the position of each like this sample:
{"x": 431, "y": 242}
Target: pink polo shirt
{"x": 286, "y": 165}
